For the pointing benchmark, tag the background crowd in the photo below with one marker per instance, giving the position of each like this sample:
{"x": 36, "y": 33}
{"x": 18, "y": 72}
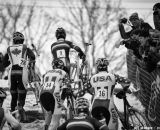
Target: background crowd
{"x": 143, "y": 41}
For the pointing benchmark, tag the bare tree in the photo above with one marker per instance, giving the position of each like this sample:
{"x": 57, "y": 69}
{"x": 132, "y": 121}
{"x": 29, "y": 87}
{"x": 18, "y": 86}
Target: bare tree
{"x": 95, "y": 21}
{"x": 31, "y": 20}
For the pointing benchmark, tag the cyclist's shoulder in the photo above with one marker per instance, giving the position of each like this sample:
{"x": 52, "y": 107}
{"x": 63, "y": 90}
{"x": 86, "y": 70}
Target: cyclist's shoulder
{"x": 102, "y": 73}
{"x": 59, "y": 42}
{"x": 54, "y": 71}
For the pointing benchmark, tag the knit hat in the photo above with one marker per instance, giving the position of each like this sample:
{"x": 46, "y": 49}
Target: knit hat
{"x": 134, "y": 16}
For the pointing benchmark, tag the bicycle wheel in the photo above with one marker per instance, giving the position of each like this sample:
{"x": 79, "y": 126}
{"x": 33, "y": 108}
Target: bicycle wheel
{"x": 137, "y": 119}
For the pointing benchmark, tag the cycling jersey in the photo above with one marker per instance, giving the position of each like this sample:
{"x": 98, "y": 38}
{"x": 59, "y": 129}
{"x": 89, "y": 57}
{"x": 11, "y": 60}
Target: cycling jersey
{"x": 18, "y": 55}
{"x": 82, "y": 123}
{"x": 103, "y": 84}
{"x": 61, "y": 48}
{"x": 50, "y": 95}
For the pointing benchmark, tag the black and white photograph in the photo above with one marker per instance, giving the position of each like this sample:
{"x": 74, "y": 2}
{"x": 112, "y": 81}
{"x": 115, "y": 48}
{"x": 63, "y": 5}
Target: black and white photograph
{"x": 79, "y": 65}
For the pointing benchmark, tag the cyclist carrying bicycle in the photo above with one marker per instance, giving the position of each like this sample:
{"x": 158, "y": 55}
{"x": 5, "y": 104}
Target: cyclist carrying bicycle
{"x": 82, "y": 120}
{"x": 53, "y": 93}
{"x": 60, "y": 49}
{"x": 5, "y": 114}
{"x": 17, "y": 55}
{"x": 102, "y": 85}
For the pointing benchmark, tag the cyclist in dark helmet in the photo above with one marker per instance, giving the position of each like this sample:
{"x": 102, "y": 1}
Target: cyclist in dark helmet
{"x": 60, "y": 49}
{"x": 82, "y": 120}
{"x": 16, "y": 57}
{"x": 52, "y": 95}
{"x": 5, "y": 114}
{"x": 101, "y": 85}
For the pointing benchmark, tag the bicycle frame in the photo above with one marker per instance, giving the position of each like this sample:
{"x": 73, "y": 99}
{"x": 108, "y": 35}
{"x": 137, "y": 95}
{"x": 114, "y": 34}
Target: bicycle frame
{"x": 126, "y": 106}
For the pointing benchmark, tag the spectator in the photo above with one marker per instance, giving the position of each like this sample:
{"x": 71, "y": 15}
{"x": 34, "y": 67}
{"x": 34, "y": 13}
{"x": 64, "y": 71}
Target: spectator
{"x": 148, "y": 51}
{"x": 156, "y": 16}
{"x": 136, "y": 22}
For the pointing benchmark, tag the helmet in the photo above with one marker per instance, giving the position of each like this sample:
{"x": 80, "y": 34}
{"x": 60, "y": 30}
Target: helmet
{"x": 102, "y": 64}
{"x": 18, "y": 38}
{"x": 82, "y": 105}
{"x": 60, "y": 33}
{"x": 3, "y": 94}
{"x": 58, "y": 64}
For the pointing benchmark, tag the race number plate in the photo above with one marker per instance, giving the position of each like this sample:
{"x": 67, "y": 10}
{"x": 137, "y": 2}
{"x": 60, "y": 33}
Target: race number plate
{"x": 102, "y": 93}
{"x": 61, "y": 53}
{"x": 23, "y": 62}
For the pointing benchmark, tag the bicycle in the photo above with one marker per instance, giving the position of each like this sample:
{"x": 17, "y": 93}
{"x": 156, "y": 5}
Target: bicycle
{"x": 68, "y": 112}
{"x": 132, "y": 118}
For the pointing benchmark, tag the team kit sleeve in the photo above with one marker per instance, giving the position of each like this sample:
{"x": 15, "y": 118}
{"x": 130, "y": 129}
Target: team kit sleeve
{"x": 87, "y": 88}
{"x": 78, "y": 49}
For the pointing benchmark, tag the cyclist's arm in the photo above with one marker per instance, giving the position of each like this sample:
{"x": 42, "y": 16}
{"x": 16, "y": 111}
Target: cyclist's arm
{"x": 87, "y": 88}
{"x": 78, "y": 49}
{"x": 124, "y": 35}
{"x": 11, "y": 120}
{"x": 122, "y": 81}
{"x": 30, "y": 54}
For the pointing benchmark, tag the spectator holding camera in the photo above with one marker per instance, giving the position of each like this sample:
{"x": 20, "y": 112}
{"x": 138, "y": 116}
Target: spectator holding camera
{"x": 136, "y": 22}
{"x": 148, "y": 51}
{"x": 156, "y": 16}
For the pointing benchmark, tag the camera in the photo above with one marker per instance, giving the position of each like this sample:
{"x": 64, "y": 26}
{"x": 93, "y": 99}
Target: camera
{"x": 123, "y": 20}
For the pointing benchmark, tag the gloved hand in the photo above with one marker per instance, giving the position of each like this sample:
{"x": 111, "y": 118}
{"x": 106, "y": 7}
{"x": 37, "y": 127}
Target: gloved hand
{"x": 82, "y": 56}
{"x": 123, "y": 20}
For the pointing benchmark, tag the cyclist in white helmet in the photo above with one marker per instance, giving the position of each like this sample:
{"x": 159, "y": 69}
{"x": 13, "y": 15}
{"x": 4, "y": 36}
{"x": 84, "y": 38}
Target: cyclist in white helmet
{"x": 5, "y": 114}
{"x": 82, "y": 120}
{"x": 102, "y": 85}
{"x": 53, "y": 93}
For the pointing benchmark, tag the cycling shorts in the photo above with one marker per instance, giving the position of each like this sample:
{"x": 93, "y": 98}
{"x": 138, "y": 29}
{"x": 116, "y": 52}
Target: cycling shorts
{"x": 48, "y": 101}
{"x": 101, "y": 106}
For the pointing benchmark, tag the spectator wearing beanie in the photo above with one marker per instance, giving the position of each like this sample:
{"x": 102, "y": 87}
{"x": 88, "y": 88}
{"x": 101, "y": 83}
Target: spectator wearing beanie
{"x": 136, "y": 22}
